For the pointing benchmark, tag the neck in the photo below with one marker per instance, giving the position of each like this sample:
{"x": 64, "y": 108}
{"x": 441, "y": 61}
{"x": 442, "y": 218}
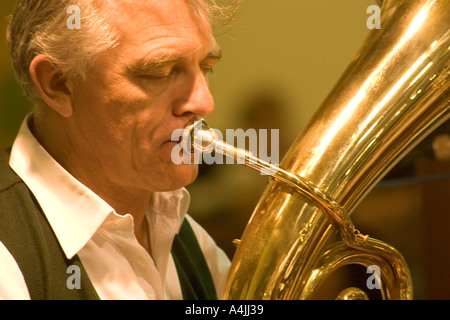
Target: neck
{"x": 86, "y": 168}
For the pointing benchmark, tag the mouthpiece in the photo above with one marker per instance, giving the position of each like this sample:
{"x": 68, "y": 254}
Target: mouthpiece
{"x": 199, "y": 136}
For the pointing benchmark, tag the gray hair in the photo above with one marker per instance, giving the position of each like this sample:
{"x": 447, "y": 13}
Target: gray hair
{"x": 39, "y": 27}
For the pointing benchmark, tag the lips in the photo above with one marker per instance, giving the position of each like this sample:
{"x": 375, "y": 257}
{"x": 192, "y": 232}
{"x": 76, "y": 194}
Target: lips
{"x": 176, "y": 135}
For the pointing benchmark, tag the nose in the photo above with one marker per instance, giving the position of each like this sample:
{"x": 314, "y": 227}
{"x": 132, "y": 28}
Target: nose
{"x": 195, "y": 97}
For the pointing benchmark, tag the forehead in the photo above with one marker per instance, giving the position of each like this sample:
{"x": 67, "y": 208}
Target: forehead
{"x": 146, "y": 20}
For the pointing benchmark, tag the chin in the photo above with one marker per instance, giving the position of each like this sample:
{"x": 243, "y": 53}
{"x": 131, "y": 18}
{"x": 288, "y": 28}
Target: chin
{"x": 181, "y": 176}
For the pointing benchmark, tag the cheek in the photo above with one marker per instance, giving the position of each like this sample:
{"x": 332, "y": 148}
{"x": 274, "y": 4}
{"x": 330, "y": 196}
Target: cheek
{"x": 128, "y": 129}
{"x": 111, "y": 126}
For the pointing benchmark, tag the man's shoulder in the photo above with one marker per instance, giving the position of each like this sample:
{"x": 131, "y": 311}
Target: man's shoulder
{"x": 8, "y": 178}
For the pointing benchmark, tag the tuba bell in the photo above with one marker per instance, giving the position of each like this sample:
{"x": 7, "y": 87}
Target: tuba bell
{"x": 394, "y": 92}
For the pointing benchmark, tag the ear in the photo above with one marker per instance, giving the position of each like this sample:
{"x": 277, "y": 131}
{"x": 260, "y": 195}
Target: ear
{"x": 52, "y": 85}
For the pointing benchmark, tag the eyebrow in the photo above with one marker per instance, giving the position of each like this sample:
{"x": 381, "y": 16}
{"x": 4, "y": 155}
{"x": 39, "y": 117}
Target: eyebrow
{"x": 150, "y": 63}
{"x": 215, "y": 53}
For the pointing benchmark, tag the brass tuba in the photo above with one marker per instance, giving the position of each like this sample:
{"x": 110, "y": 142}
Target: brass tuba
{"x": 394, "y": 93}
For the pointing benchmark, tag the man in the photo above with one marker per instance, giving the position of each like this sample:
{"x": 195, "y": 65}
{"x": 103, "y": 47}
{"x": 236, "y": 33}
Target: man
{"x": 91, "y": 205}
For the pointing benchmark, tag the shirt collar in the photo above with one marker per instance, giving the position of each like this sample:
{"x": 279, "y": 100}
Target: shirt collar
{"x": 74, "y": 211}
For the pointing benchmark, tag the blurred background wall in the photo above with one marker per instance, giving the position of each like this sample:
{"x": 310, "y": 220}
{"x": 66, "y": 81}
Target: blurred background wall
{"x": 13, "y": 106}
{"x": 281, "y": 58}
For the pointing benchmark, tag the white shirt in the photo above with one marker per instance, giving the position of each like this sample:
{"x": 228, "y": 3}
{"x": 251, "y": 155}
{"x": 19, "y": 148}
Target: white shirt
{"x": 84, "y": 224}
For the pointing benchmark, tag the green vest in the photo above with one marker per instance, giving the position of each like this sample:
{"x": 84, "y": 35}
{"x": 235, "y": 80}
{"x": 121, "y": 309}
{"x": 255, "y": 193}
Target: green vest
{"x": 26, "y": 233}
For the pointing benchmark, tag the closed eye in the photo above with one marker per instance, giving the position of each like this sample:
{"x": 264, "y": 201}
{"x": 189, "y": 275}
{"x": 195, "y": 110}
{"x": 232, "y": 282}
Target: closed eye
{"x": 157, "y": 77}
{"x": 207, "y": 69}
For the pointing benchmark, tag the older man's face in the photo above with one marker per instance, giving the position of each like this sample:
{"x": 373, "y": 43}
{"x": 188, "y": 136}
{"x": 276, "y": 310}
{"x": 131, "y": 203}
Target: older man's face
{"x": 141, "y": 91}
